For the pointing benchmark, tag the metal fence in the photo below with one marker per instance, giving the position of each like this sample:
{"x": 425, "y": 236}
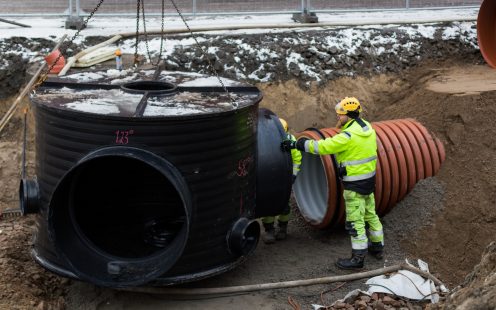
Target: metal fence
{"x": 210, "y": 7}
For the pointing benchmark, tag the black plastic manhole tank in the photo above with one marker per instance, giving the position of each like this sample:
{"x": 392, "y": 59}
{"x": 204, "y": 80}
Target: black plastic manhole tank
{"x": 149, "y": 176}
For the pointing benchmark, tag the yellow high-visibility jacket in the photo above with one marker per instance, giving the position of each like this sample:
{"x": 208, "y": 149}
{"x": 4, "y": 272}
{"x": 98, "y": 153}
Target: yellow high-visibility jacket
{"x": 355, "y": 148}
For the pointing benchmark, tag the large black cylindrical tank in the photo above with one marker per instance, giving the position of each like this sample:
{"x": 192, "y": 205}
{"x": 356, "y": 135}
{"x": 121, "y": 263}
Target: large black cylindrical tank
{"x": 144, "y": 177}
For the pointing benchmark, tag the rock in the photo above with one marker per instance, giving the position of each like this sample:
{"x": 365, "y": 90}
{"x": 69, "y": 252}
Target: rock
{"x": 388, "y": 300}
{"x": 41, "y": 306}
{"x": 218, "y": 67}
{"x": 360, "y": 304}
{"x": 456, "y": 133}
{"x": 261, "y": 74}
{"x": 333, "y": 50}
{"x": 378, "y": 305}
{"x": 221, "y": 54}
{"x": 340, "y": 305}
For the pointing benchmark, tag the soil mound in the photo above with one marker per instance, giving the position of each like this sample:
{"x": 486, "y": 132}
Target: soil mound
{"x": 478, "y": 291}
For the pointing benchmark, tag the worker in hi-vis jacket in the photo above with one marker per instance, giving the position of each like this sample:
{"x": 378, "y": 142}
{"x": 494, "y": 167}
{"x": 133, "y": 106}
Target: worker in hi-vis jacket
{"x": 270, "y": 235}
{"x": 355, "y": 148}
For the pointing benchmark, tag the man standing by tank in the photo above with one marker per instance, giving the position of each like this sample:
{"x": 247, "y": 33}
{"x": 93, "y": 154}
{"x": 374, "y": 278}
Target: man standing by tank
{"x": 268, "y": 222}
{"x": 355, "y": 148}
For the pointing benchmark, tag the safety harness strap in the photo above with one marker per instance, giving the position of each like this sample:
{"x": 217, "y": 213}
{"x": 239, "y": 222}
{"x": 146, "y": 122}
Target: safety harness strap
{"x": 362, "y": 124}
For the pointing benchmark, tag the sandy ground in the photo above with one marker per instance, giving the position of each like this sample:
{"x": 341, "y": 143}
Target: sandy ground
{"x": 446, "y": 221}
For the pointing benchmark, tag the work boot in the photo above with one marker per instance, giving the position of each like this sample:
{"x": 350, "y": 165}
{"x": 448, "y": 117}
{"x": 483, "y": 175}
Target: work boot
{"x": 269, "y": 237}
{"x": 376, "y": 250}
{"x": 354, "y": 263}
{"x": 282, "y": 232}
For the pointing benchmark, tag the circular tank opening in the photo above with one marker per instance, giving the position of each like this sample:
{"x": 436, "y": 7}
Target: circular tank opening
{"x": 130, "y": 210}
{"x": 153, "y": 87}
{"x": 121, "y": 217}
{"x": 311, "y": 189}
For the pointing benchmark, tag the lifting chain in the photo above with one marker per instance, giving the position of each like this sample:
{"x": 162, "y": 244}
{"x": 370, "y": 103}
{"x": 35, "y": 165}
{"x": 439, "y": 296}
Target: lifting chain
{"x": 44, "y": 76}
{"x": 233, "y": 103}
{"x": 138, "y": 6}
{"x": 146, "y": 34}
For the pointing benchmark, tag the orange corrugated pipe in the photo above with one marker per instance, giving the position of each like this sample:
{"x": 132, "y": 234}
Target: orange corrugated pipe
{"x": 406, "y": 153}
{"x": 486, "y": 31}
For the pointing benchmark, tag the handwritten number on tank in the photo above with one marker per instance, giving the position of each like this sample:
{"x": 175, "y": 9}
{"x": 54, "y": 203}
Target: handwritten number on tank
{"x": 122, "y": 136}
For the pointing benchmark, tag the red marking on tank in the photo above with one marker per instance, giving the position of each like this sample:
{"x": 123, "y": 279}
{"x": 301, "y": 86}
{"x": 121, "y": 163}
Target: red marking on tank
{"x": 122, "y": 136}
{"x": 243, "y": 166}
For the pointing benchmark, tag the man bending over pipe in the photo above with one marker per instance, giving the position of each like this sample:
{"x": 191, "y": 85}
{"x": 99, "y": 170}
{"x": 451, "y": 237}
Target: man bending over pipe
{"x": 355, "y": 148}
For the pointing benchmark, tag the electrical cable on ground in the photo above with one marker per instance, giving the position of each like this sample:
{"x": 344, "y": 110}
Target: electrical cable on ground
{"x": 330, "y": 290}
{"x": 293, "y": 303}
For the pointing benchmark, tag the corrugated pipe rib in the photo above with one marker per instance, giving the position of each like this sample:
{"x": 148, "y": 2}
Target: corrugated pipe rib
{"x": 486, "y": 31}
{"x": 406, "y": 153}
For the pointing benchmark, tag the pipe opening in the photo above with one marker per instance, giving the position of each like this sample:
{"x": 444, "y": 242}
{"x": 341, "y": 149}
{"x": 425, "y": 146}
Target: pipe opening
{"x": 130, "y": 210}
{"x": 311, "y": 189}
{"x": 153, "y": 87}
{"x": 29, "y": 196}
{"x": 121, "y": 216}
{"x": 243, "y": 237}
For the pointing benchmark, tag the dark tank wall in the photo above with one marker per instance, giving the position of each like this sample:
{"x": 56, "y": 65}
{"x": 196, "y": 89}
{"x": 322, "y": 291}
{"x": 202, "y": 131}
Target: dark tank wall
{"x": 215, "y": 154}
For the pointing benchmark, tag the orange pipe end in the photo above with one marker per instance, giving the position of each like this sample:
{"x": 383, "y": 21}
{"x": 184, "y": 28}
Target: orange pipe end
{"x": 486, "y": 31}
{"x": 57, "y": 57}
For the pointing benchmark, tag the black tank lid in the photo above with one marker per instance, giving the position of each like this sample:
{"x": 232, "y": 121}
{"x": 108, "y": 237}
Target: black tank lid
{"x": 145, "y": 94}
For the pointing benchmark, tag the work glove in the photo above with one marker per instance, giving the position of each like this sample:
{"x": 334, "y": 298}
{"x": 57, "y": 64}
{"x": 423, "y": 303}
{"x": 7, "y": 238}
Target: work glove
{"x": 288, "y": 145}
{"x": 300, "y": 144}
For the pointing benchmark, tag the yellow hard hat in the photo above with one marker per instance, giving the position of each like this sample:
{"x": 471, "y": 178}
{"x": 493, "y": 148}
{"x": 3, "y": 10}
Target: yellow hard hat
{"x": 284, "y": 124}
{"x": 348, "y": 104}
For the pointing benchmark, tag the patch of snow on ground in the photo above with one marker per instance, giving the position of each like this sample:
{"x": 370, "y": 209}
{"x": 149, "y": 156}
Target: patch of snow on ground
{"x": 168, "y": 46}
{"x": 425, "y": 31}
{"x": 3, "y": 64}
